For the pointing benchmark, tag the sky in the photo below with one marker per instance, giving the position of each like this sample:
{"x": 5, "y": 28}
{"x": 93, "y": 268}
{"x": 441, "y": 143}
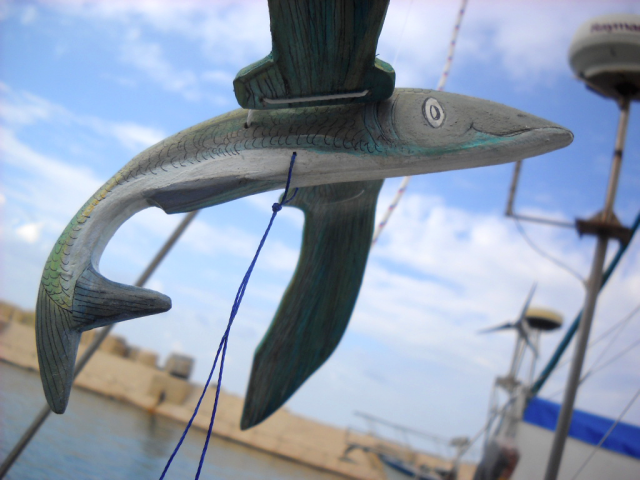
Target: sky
{"x": 86, "y": 85}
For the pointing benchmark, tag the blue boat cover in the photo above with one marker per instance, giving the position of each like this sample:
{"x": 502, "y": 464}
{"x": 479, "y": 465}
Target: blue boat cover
{"x": 586, "y": 427}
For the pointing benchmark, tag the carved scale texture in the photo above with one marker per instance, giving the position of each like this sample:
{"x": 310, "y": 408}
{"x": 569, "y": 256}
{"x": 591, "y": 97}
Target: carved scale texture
{"x": 355, "y": 129}
{"x": 57, "y": 343}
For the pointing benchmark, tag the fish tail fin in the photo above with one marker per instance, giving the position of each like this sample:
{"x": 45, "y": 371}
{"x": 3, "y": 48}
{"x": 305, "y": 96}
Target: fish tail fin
{"x": 96, "y": 302}
{"x": 57, "y": 343}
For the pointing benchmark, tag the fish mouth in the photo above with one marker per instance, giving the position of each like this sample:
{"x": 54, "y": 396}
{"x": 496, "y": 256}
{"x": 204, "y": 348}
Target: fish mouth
{"x": 482, "y": 149}
{"x": 541, "y": 139}
{"x": 517, "y": 132}
{"x": 491, "y": 148}
{"x": 550, "y": 127}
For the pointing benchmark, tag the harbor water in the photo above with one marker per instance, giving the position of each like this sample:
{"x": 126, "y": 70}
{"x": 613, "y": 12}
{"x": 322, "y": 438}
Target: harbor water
{"x": 99, "y": 438}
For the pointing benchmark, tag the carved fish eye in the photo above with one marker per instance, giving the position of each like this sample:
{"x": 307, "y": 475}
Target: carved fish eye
{"x": 433, "y": 112}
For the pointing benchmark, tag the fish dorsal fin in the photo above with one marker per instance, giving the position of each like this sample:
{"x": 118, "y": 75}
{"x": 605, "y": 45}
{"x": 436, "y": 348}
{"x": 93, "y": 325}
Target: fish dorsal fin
{"x": 98, "y": 301}
{"x": 320, "y": 48}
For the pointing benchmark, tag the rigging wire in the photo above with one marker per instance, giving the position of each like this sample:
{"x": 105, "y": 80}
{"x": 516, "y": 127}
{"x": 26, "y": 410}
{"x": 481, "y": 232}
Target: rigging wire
{"x": 604, "y": 351}
{"x": 544, "y": 254}
{"x": 564, "y": 343}
{"x": 593, "y": 370}
{"x": 276, "y": 207}
{"x": 486, "y": 427}
{"x": 441, "y": 83}
{"x": 611, "y": 360}
{"x": 618, "y": 327}
{"x": 606, "y": 435}
{"x": 404, "y": 27}
{"x": 620, "y": 324}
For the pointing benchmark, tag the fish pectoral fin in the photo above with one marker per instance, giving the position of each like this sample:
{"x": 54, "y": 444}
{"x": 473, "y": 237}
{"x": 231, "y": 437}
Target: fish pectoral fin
{"x": 317, "y": 305}
{"x": 97, "y": 302}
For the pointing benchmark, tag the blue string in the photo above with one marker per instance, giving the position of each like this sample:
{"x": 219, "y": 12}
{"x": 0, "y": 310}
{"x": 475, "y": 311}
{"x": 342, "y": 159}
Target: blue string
{"x": 276, "y": 207}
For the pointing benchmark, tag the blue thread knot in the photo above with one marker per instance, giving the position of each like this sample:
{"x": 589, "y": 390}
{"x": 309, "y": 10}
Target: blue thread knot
{"x": 276, "y": 207}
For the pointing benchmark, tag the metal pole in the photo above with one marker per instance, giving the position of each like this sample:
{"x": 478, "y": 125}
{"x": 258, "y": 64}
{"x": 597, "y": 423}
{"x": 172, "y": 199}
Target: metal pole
{"x": 515, "y": 179}
{"x": 513, "y": 187}
{"x": 546, "y": 221}
{"x": 535, "y": 340}
{"x": 102, "y": 334}
{"x": 595, "y": 281}
{"x": 515, "y": 360}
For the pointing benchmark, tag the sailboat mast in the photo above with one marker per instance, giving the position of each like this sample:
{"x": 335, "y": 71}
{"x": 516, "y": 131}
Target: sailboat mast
{"x": 595, "y": 280}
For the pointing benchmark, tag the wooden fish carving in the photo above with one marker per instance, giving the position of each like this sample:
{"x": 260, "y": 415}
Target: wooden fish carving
{"x": 316, "y": 307}
{"x": 320, "y": 49}
{"x": 220, "y": 160}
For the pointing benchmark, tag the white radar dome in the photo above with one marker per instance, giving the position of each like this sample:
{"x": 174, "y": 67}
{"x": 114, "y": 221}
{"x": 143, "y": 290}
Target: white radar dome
{"x": 605, "y": 53}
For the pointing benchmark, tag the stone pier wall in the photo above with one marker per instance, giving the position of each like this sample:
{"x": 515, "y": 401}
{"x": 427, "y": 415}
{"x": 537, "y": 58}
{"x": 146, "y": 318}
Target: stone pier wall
{"x": 127, "y": 373}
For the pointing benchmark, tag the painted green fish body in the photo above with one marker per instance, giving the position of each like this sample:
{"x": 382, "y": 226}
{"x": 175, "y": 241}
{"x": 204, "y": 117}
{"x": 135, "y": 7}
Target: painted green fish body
{"x": 220, "y": 160}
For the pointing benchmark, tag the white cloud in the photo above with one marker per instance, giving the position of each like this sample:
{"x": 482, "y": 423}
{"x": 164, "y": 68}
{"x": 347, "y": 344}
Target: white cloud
{"x": 150, "y": 59}
{"x": 279, "y": 257}
{"x": 218, "y": 76}
{"x": 21, "y": 109}
{"x": 441, "y": 274}
{"x": 30, "y": 232}
{"x": 205, "y": 27}
{"x": 36, "y": 210}
{"x": 526, "y": 40}
{"x": 29, "y": 15}
{"x": 136, "y": 137}
{"x": 177, "y": 347}
{"x": 44, "y": 177}
{"x": 242, "y": 27}
{"x": 42, "y": 193}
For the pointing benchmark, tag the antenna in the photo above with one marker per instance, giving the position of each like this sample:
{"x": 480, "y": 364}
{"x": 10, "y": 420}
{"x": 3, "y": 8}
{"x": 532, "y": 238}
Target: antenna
{"x": 605, "y": 54}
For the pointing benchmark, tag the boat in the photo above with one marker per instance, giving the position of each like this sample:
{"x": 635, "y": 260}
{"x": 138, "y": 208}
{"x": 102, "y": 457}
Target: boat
{"x": 536, "y": 438}
{"x": 522, "y": 439}
{"x": 519, "y": 447}
{"x": 396, "y": 469}
{"x": 398, "y": 459}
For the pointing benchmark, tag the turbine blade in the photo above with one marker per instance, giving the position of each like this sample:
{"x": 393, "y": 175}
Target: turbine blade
{"x": 525, "y": 307}
{"x": 497, "y": 328}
